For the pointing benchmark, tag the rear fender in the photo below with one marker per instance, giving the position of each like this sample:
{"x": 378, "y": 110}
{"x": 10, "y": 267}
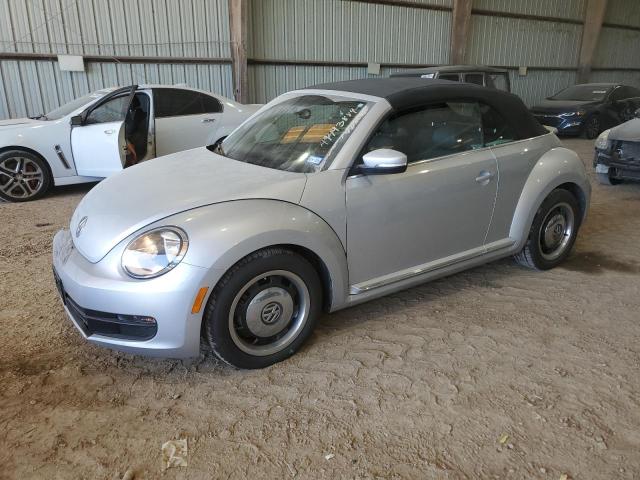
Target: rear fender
{"x": 558, "y": 166}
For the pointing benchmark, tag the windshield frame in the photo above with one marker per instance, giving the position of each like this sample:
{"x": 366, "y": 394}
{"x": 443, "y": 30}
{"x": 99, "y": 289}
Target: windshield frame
{"x": 344, "y": 138}
{"x": 89, "y": 99}
{"x": 586, "y": 88}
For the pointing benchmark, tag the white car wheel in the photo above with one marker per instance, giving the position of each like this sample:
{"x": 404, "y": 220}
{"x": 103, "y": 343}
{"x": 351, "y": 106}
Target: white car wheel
{"x": 23, "y": 176}
{"x": 263, "y": 309}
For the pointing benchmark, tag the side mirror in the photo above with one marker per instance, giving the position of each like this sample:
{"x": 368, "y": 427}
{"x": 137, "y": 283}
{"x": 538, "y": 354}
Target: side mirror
{"x": 383, "y": 161}
{"x": 76, "y": 120}
{"x": 637, "y": 113}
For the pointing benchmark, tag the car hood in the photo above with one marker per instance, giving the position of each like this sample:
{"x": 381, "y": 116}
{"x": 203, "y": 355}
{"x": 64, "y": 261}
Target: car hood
{"x": 146, "y": 193}
{"x": 627, "y": 131}
{"x": 560, "y": 106}
{"x": 15, "y": 122}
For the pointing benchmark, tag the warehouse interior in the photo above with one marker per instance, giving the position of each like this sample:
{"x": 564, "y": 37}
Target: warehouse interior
{"x": 284, "y": 47}
{"x": 493, "y": 372}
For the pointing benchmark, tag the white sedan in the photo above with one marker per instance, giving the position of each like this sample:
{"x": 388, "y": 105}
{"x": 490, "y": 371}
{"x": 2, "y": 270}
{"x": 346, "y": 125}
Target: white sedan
{"x": 97, "y": 135}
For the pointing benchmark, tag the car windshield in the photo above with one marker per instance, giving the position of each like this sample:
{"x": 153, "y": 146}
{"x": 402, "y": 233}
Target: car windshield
{"x": 301, "y": 134}
{"x": 74, "y": 105}
{"x": 593, "y": 93}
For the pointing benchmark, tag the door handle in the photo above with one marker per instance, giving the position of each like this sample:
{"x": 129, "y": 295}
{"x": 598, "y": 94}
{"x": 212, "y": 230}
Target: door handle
{"x": 110, "y": 131}
{"x": 484, "y": 177}
{"x": 208, "y": 120}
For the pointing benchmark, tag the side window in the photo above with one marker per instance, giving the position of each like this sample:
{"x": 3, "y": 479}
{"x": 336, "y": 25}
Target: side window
{"x": 174, "y": 102}
{"x": 494, "y": 128}
{"x": 633, "y": 92}
{"x": 477, "y": 78}
{"x": 110, "y": 111}
{"x": 210, "y": 104}
{"x": 449, "y": 76}
{"x": 435, "y": 131}
{"x": 497, "y": 81}
{"x": 620, "y": 93}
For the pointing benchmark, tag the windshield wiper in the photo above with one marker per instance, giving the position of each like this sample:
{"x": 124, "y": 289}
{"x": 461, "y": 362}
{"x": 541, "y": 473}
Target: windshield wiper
{"x": 40, "y": 116}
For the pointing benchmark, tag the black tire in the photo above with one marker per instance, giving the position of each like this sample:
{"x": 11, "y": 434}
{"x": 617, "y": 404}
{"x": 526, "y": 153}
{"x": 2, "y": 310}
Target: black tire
{"x": 24, "y": 176}
{"x": 537, "y": 253}
{"x": 256, "y": 273}
{"x": 592, "y": 127}
{"x": 605, "y": 179}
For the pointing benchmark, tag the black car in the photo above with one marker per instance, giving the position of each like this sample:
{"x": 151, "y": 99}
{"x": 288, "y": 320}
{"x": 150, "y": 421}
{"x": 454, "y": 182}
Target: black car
{"x": 477, "y": 74}
{"x": 588, "y": 108}
{"x": 617, "y": 155}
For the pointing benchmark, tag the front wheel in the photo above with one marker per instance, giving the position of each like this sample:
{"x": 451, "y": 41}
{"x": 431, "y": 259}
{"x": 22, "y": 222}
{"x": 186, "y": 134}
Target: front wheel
{"x": 263, "y": 309}
{"x": 553, "y": 232}
{"x": 23, "y": 176}
{"x": 592, "y": 127}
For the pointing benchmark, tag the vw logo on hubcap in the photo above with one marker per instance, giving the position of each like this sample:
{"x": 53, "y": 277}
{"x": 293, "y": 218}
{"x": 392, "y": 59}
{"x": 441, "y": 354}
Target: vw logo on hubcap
{"x": 81, "y": 224}
{"x": 558, "y": 229}
{"x": 271, "y": 313}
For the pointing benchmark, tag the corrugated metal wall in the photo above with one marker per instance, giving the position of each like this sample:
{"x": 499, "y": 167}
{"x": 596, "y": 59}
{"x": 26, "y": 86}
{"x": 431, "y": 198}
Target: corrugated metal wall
{"x": 352, "y": 32}
{"x": 166, "y": 28}
{"x": 296, "y": 43}
{"x": 569, "y": 9}
{"x": 348, "y": 32}
{"x": 358, "y": 32}
{"x": 619, "y": 47}
{"x": 172, "y": 28}
{"x": 33, "y": 87}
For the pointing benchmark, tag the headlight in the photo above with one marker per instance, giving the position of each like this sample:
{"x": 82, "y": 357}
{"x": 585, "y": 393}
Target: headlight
{"x": 579, "y": 113}
{"x": 155, "y": 252}
{"x": 602, "y": 143}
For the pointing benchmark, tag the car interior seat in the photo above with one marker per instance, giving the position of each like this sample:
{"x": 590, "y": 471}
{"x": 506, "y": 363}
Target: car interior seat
{"x": 137, "y": 129}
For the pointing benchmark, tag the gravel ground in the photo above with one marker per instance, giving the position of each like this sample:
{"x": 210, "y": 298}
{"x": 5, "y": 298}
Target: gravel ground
{"x": 498, "y": 372}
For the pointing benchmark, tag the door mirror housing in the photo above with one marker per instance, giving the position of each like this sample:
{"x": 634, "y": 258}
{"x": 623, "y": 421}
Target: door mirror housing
{"x": 383, "y": 161}
{"x": 77, "y": 120}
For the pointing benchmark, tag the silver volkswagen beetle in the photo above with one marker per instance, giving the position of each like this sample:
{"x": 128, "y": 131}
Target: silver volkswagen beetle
{"x": 325, "y": 198}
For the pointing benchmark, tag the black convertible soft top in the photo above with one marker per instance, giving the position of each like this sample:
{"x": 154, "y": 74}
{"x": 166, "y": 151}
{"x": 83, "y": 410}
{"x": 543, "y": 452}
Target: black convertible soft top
{"x": 405, "y": 93}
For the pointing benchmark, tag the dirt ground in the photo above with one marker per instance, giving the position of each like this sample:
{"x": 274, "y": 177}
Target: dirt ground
{"x": 498, "y": 372}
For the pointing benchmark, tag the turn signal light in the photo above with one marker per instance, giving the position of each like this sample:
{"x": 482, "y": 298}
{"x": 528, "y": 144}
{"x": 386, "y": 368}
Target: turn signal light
{"x": 197, "y": 303}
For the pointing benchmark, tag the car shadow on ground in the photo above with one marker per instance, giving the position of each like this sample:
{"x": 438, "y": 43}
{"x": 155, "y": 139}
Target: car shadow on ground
{"x": 79, "y": 188}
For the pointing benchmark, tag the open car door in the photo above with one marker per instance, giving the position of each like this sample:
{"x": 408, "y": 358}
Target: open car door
{"x": 98, "y": 135}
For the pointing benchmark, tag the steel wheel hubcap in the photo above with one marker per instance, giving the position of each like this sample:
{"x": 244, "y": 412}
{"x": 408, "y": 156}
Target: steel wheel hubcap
{"x": 556, "y": 232}
{"x": 20, "y": 177}
{"x": 268, "y": 313}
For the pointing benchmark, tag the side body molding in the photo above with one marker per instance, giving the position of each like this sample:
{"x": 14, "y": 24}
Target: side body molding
{"x": 556, "y": 167}
{"x": 222, "y": 234}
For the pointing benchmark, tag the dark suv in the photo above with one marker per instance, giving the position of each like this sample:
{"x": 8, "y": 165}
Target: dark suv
{"x": 478, "y": 74}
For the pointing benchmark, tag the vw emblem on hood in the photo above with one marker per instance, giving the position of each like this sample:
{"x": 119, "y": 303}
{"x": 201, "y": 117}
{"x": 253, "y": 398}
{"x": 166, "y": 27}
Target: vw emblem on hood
{"x": 81, "y": 224}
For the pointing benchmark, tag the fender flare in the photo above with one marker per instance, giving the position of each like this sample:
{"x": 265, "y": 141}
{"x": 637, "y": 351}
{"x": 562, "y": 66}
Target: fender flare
{"x": 222, "y": 234}
{"x": 557, "y": 167}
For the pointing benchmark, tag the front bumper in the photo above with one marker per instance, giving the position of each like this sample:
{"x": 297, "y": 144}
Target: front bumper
{"x": 101, "y": 292}
{"x": 621, "y": 162}
{"x": 564, "y": 125}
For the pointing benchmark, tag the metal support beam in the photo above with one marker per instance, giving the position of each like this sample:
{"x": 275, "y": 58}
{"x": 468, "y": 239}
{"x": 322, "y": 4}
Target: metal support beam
{"x": 460, "y": 19}
{"x": 238, "y": 22}
{"x": 590, "y": 33}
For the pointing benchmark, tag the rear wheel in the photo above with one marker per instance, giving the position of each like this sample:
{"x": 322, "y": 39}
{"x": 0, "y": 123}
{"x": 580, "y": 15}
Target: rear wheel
{"x": 592, "y": 127}
{"x": 553, "y": 232}
{"x": 23, "y": 176}
{"x": 263, "y": 309}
